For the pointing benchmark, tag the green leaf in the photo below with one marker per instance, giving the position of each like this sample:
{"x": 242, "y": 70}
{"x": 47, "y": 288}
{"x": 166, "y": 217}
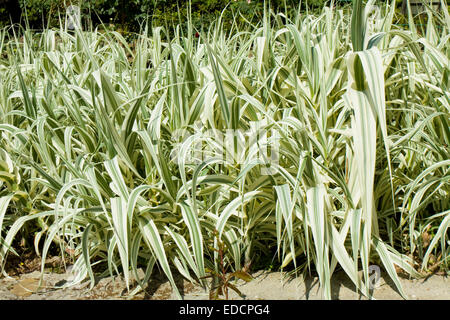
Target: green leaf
{"x": 242, "y": 275}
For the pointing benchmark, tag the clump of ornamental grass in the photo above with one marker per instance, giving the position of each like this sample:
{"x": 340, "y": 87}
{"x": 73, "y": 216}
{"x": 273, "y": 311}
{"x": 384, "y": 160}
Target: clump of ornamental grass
{"x": 109, "y": 149}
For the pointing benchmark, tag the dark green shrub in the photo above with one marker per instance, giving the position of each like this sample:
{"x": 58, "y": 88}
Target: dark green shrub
{"x": 41, "y": 13}
{"x": 127, "y": 14}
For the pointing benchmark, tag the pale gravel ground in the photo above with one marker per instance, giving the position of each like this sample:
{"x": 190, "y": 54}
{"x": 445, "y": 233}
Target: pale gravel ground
{"x": 265, "y": 286}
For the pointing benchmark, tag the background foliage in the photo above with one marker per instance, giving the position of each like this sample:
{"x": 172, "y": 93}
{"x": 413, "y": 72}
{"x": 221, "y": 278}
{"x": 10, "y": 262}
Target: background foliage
{"x": 127, "y": 14}
{"x": 87, "y": 121}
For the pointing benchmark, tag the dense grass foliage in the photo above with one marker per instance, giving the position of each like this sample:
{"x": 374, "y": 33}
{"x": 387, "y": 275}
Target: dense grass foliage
{"x": 357, "y": 108}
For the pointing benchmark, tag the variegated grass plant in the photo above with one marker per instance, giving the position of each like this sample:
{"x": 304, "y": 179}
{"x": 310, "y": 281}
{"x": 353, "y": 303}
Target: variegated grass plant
{"x": 361, "y": 107}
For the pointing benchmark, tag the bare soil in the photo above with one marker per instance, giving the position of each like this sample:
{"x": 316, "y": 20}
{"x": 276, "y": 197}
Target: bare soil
{"x": 264, "y": 286}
